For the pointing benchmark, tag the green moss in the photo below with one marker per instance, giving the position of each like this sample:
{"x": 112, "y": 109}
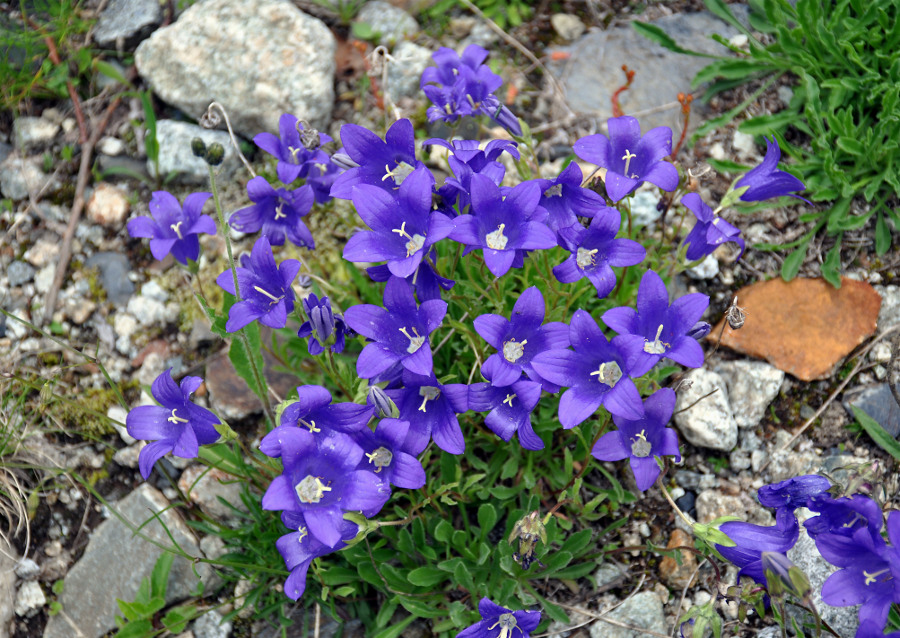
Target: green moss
{"x": 87, "y": 414}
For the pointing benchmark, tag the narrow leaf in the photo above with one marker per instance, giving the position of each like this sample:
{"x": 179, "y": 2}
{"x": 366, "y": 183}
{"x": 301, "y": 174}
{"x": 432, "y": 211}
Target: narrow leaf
{"x": 884, "y": 440}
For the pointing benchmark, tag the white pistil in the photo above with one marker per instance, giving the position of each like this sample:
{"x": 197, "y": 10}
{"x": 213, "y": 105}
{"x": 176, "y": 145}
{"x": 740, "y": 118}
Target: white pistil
{"x": 873, "y": 578}
{"x": 303, "y": 533}
{"x": 475, "y": 105}
{"x": 415, "y": 242}
{"x": 585, "y": 257}
{"x": 656, "y": 346}
{"x": 628, "y": 157}
{"x": 609, "y": 373}
{"x": 279, "y": 211}
{"x": 509, "y": 398}
{"x": 175, "y": 418}
{"x": 294, "y": 152}
{"x": 269, "y": 295}
{"x": 177, "y": 229}
{"x": 414, "y": 342}
{"x": 513, "y": 350}
{"x": 497, "y": 240}
{"x": 428, "y": 393}
{"x": 311, "y": 489}
{"x": 640, "y": 446}
{"x": 311, "y": 425}
{"x": 554, "y": 191}
{"x": 507, "y": 623}
{"x": 381, "y": 457}
{"x": 400, "y": 172}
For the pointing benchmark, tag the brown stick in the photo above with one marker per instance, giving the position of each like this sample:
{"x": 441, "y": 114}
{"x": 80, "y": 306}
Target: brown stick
{"x": 84, "y": 171}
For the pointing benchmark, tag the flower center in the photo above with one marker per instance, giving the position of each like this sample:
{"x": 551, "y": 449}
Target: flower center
{"x": 585, "y": 257}
{"x": 506, "y": 622}
{"x": 513, "y": 350}
{"x": 428, "y": 393}
{"x": 628, "y": 157}
{"x": 311, "y": 489}
{"x": 279, "y": 211}
{"x": 274, "y": 299}
{"x": 415, "y": 342}
{"x": 177, "y": 229}
{"x": 175, "y": 418}
{"x": 640, "y": 446}
{"x": 509, "y": 399}
{"x": 381, "y": 457}
{"x": 554, "y": 191}
{"x": 400, "y": 172}
{"x": 497, "y": 240}
{"x": 609, "y": 373}
{"x": 656, "y": 346}
{"x": 415, "y": 242}
{"x": 873, "y": 578}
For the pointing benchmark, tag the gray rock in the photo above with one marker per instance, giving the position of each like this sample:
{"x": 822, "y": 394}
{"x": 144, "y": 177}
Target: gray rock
{"x": 643, "y": 207}
{"x": 706, "y": 269}
{"x": 608, "y": 574}
{"x": 33, "y": 131}
{"x": 713, "y": 504}
{"x": 111, "y": 146}
{"x": 258, "y": 58}
{"x": 481, "y": 34}
{"x": 27, "y": 569}
{"x": 206, "y": 486}
{"x": 20, "y": 176}
{"x": 708, "y": 423}
{"x": 7, "y": 584}
{"x": 114, "y": 269}
{"x": 889, "y": 314}
{"x": 752, "y": 385}
{"x": 393, "y": 24}
{"x": 643, "y": 610}
{"x": 568, "y": 26}
{"x": 805, "y": 556}
{"x": 29, "y": 599}
{"x": 210, "y": 625}
{"x": 175, "y": 155}
{"x": 405, "y": 72}
{"x": 5, "y": 151}
{"x": 19, "y": 273}
{"x": 124, "y": 23}
{"x": 592, "y": 73}
{"x": 91, "y": 586}
{"x": 878, "y": 402}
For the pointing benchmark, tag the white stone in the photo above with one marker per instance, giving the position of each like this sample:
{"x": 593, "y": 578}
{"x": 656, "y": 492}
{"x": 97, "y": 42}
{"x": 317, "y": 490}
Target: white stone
{"x": 717, "y": 151}
{"x": 644, "y": 209}
{"x": 745, "y": 145}
{"x": 44, "y": 279}
{"x": 124, "y": 325}
{"x": 752, "y": 385}
{"x": 392, "y": 24}
{"x": 708, "y": 423}
{"x": 152, "y": 367}
{"x": 706, "y": 269}
{"x": 111, "y": 146}
{"x": 33, "y": 131}
{"x": 147, "y": 310}
{"x": 19, "y": 177}
{"x": 108, "y": 205}
{"x": 29, "y": 599}
{"x": 153, "y": 290}
{"x": 120, "y": 414}
{"x": 568, "y": 26}
{"x": 643, "y": 611}
{"x": 43, "y": 252}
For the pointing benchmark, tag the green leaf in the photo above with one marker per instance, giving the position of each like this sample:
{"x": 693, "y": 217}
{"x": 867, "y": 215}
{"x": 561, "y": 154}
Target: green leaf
{"x": 160, "y": 576}
{"x": 177, "y": 617}
{"x": 577, "y": 541}
{"x": 242, "y": 362}
{"x": 420, "y": 608}
{"x": 831, "y": 267}
{"x": 884, "y": 440}
{"x": 107, "y": 69}
{"x": 720, "y": 9}
{"x": 852, "y": 146}
{"x": 396, "y": 630}
{"x": 882, "y": 235}
{"x": 654, "y": 33}
{"x": 792, "y": 262}
{"x": 137, "y": 629}
{"x": 443, "y": 531}
{"x": 766, "y": 124}
{"x": 727, "y": 166}
{"x": 487, "y": 518}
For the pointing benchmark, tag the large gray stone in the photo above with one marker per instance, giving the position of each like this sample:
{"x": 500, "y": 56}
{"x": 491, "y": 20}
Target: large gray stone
{"x": 33, "y": 131}
{"x": 593, "y": 72}
{"x": 20, "y": 176}
{"x": 19, "y": 273}
{"x": 405, "y": 72}
{"x": 258, "y": 58}
{"x": 878, "y": 402}
{"x": 392, "y": 24}
{"x": 708, "y": 422}
{"x": 752, "y": 385}
{"x": 127, "y": 22}
{"x": 7, "y": 584}
{"x": 114, "y": 269}
{"x": 116, "y": 560}
{"x": 643, "y": 610}
{"x": 176, "y": 156}
{"x": 889, "y": 314}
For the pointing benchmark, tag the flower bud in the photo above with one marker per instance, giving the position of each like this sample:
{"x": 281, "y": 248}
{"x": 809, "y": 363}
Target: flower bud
{"x": 198, "y": 147}
{"x": 322, "y": 320}
{"x": 215, "y": 153}
{"x": 384, "y": 406}
{"x": 782, "y": 576}
{"x": 700, "y": 330}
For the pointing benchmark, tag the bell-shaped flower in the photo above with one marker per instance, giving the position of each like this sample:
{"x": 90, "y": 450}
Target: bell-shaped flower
{"x": 399, "y": 330}
{"x": 595, "y": 250}
{"x": 657, "y": 330}
{"x": 629, "y": 158}
{"x": 384, "y": 454}
{"x": 503, "y": 226}
{"x": 425, "y": 281}
{"x": 468, "y": 158}
{"x": 792, "y": 493}
{"x": 173, "y": 229}
{"x": 497, "y": 622}
{"x": 566, "y": 200}
{"x": 175, "y": 425}
{"x": 299, "y": 548}
{"x": 294, "y": 148}
{"x": 430, "y": 408}
{"x": 766, "y": 181}
{"x": 596, "y": 373}
{"x": 321, "y": 482}
{"x": 710, "y": 231}
{"x": 752, "y": 540}
{"x": 265, "y": 288}
{"x": 518, "y": 339}
{"x": 641, "y": 441}
{"x": 509, "y": 410}
{"x": 403, "y": 226}
{"x": 276, "y": 213}
{"x": 842, "y": 516}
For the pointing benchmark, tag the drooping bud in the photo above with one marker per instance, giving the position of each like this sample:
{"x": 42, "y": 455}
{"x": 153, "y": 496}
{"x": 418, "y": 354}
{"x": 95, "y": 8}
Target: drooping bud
{"x": 384, "y": 406}
{"x": 215, "y": 153}
{"x": 198, "y": 147}
{"x": 782, "y": 576}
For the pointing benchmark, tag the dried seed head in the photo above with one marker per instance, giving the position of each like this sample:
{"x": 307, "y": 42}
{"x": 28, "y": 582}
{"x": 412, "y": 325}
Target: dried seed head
{"x": 309, "y": 136}
{"x": 735, "y": 315}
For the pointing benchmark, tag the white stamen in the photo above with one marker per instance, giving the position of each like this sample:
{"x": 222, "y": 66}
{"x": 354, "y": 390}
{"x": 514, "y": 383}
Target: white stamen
{"x": 656, "y": 346}
{"x": 279, "y": 211}
{"x": 609, "y": 373}
{"x": 175, "y": 418}
{"x": 176, "y": 228}
{"x": 509, "y": 398}
{"x": 430, "y": 393}
{"x": 400, "y": 172}
{"x": 414, "y": 342}
{"x": 269, "y": 295}
{"x": 311, "y": 489}
{"x": 640, "y": 446}
{"x": 554, "y": 191}
{"x": 381, "y": 457}
{"x": 628, "y": 157}
{"x": 585, "y": 257}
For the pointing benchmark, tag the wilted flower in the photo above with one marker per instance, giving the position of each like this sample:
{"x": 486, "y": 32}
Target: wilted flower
{"x": 277, "y": 213}
{"x": 173, "y": 229}
{"x": 176, "y": 425}
{"x": 500, "y": 622}
{"x": 792, "y": 493}
{"x": 528, "y": 531}
{"x": 766, "y": 181}
{"x": 752, "y": 540}
{"x": 294, "y": 156}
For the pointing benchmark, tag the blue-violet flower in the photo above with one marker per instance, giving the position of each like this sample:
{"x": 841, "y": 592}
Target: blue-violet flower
{"x": 173, "y": 229}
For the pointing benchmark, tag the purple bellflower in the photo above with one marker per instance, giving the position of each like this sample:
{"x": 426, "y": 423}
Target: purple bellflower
{"x": 871, "y": 629}
{"x": 518, "y": 339}
{"x": 870, "y": 570}
{"x": 403, "y": 226}
{"x": 173, "y": 229}
{"x": 265, "y": 288}
{"x": 294, "y": 148}
{"x": 399, "y": 330}
{"x": 792, "y": 493}
{"x": 752, "y": 540}
{"x": 321, "y": 482}
{"x": 314, "y": 411}
{"x": 595, "y": 250}
{"x": 596, "y": 373}
{"x": 509, "y": 410}
{"x": 176, "y": 425}
{"x": 384, "y": 454}
{"x": 298, "y": 549}
{"x": 277, "y": 213}
{"x": 425, "y": 280}
{"x": 566, "y": 200}
{"x": 500, "y": 622}
{"x": 710, "y": 231}
{"x": 321, "y": 324}
{"x": 629, "y": 158}
{"x": 842, "y": 516}
{"x": 467, "y": 159}
{"x": 642, "y": 440}
{"x": 766, "y": 181}
{"x": 657, "y": 330}
{"x": 503, "y": 226}
{"x": 431, "y": 408}
{"x": 383, "y": 163}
